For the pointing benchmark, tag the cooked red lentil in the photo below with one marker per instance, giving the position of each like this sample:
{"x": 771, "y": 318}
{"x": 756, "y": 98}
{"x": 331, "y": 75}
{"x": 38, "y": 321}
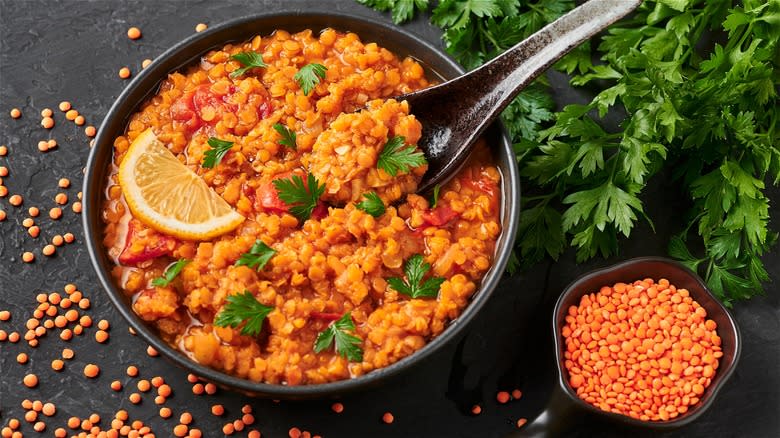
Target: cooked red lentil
{"x": 339, "y": 260}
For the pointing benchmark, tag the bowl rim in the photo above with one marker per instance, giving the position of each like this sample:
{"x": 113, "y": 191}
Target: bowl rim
{"x": 92, "y": 223}
{"x": 714, "y": 388}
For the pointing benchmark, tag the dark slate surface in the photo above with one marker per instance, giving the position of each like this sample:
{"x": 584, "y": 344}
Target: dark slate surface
{"x": 71, "y": 50}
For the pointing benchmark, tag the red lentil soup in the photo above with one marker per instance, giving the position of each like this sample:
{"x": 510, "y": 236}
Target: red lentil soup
{"x": 337, "y": 261}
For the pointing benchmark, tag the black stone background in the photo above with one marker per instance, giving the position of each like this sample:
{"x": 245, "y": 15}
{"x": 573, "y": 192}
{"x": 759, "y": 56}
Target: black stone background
{"x": 71, "y": 50}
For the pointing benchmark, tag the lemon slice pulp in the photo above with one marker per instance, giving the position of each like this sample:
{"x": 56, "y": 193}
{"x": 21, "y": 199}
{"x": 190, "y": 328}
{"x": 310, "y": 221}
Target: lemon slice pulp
{"x": 166, "y": 195}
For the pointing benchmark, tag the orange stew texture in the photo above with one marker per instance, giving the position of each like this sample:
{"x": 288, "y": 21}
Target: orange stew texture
{"x": 329, "y": 274}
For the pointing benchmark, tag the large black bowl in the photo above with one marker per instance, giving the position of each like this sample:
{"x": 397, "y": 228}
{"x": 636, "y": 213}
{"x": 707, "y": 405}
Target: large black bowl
{"x": 188, "y": 51}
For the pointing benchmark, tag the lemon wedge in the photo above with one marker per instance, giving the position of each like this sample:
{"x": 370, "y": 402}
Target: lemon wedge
{"x": 166, "y": 195}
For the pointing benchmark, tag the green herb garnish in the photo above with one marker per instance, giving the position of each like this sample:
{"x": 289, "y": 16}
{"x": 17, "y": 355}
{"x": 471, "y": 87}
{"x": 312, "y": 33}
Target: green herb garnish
{"x": 214, "y": 156}
{"x": 402, "y": 10}
{"x": 249, "y": 60}
{"x": 415, "y": 269}
{"x": 347, "y": 345}
{"x": 373, "y": 204}
{"x": 394, "y": 157}
{"x": 301, "y": 198}
{"x": 435, "y": 196}
{"x": 309, "y": 76}
{"x": 288, "y": 136}
{"x": 241, "y": 308}
{"x": 170, "y": 273}
{"x": 257, "y": 257}
{"x": 697, "y": 81}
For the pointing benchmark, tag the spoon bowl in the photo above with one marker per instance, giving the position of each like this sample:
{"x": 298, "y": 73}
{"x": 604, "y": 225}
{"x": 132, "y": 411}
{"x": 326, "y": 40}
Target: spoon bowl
{"x": 455, "y": 113}
{"x": 564, "y": 408}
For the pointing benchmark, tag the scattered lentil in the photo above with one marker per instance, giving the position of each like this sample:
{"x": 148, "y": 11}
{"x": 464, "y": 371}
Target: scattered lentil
{"x": 165, "y": 412}
{"x": 135, "y": 398}
{"x": 30, "y": 380}
{"x": 90, "y": 131}
{"x": 217, "y": 410}
{"x": 55, "y": 213}
{"x": 28, "y": 257}
{"x": 145, "y": 63}
{"x": 132, "y": 371}
{"x": 15, "y": 200}
{"x": 16, "y": 113}
{"x": 34, "y": 232}
{"x": 101, "y": 336}
{"x": 5, "y": 315}
{"x": 3, "y": 150}
{"x": 521, "y": 422}
{"x": 57, "y": 240}
{"x": 79, "y": 120}
{"x": 200, "y": 27}
{"x": 91, "y": 370}
{"x": 124, "y": 72}
{"x": 69, "y": 237}
{"x": 134, "y": 33}
{"x": 57, "y": 365}
{"x": 22, "y": 358}
{"x": 47, "y": 122}
{"x": 49, "y": 409}
{"x": 151, "y": 351}
{"x": 48, "y": 250}
{"x": 71, "y": 114}
{"x": 64, "y": 106}
{"x": 388, "y": 418}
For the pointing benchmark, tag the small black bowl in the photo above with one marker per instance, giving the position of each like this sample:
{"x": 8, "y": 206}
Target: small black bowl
{"x": 564, "y": 408}
{"x": 437, "y": 64}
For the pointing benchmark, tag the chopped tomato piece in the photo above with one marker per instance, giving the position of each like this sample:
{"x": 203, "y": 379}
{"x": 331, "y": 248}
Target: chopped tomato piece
{"x": 320, "y": 211}
{"x": 203, "y": 97}
{"x": 264, "y": 110}
{"x": 183, "y": 110}
{"x": 439, "y": 216}
{"x": 267, "y": 198}
{"x": 326, "y": 316}
{"x": 143, "y": 243}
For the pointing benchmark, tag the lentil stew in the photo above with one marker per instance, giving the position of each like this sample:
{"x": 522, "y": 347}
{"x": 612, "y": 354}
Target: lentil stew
{"x": 340, "y": 261}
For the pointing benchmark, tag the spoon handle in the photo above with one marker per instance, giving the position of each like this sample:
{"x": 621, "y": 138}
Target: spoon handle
{"x": 487, "y": 90}
{"x": 505, "y": 76}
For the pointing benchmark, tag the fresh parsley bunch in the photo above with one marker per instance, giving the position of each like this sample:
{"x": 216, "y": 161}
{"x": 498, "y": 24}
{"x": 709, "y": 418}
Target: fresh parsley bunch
{"x": 704, "y": 112}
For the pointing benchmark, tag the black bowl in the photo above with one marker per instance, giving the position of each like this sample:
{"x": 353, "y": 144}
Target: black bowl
{"x": 188, "y": 51}
{"x": 565, "y": 408}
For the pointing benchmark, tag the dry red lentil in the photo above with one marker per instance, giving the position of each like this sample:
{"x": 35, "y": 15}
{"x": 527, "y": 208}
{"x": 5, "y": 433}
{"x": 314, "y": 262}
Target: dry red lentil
{"x": 15, "y": 200}
{"x": 200, "y": 27}
{"x": 47, "y": 122}
{"x": 79, "y": 120}
{"x": 655, "y": 349}
{"x": 28, "y": 257}
{"x": 16, "y": 113}
{"x": 132, "y": 371}
{"x": 124, "y": 72}
{"x": 145, "y": 63}
{"x": 388, "y": 417}
{"x": 337, "y": 407}
{"x": 217, "y": 410}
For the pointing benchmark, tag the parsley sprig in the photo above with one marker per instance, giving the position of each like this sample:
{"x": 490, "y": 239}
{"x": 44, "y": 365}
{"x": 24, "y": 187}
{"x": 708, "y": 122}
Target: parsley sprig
{"x": 301, "y": 197}
{"x": 415, "y": 269}
{"x": 347, "y": 344}
{"x": 395, "y": 157}
{"x": 244, "y": 309}
{"x": 709, "y": 118}
{"x": 309, "y": 76}
{"x": 213, "y": 156}
{"x": 170, "y": 273}
{"x": 372, "y": 205}
{"x": 288, "y": 136}
{"x": 248, "y": 60}
{"x": 257, "y": 257}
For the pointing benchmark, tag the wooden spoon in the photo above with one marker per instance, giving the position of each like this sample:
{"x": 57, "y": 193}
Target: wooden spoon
{"x": 455, "y": 113}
